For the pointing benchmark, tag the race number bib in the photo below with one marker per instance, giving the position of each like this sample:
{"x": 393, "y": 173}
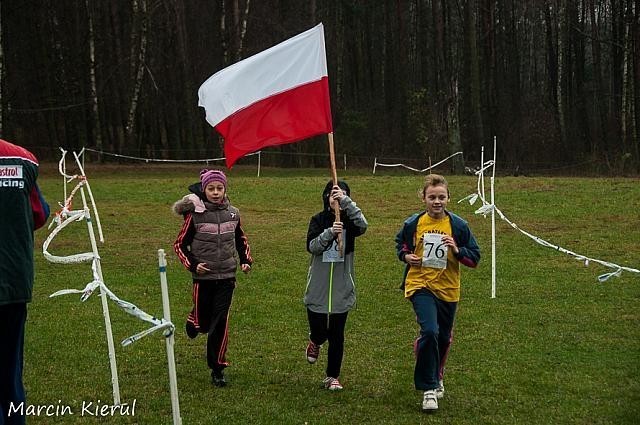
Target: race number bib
{"x": 332, "y": 255}
{"x": 435, "y": 251}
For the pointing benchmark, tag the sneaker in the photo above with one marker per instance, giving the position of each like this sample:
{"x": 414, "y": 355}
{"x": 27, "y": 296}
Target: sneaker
{"x": 217, "y": 378}
{"x": 191, "y": 330}
{"x": 429, "y": 401}
{"x": 313, "y": 351}
{"x": 440, "y": 389}
{"x": 332, "y": 384}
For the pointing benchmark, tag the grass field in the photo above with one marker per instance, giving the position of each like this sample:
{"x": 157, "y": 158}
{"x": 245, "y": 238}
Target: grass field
{"x": 554, "y": 347}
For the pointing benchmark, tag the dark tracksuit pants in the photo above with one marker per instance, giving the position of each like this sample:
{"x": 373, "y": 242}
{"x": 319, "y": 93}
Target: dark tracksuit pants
{"x": 210, "y": 315}
{"x": 331, "y": 328}
{"x": 12, "y": 321}
{"x": 435, "y": 318}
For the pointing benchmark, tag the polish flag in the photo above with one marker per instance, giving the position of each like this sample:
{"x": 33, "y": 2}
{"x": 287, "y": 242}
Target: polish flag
{"x": 278, "y": 96}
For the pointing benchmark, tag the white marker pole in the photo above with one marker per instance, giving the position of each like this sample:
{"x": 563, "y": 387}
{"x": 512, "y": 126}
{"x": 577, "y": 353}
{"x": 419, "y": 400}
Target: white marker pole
{"x": 173, "y": 380}
{"x": 93, "y": 202}
{"x": 64, "y": 174}
{"x": 259, "y": 158}
{"x": 482, "y": 172}
{"x": 105, "y": 306}
{"x": 493, "y": 224}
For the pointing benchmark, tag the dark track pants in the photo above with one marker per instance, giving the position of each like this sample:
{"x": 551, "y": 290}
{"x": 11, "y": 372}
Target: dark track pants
{"x": 210, "y": 315}
{"x": 435, "y": 318}
{"x": 12, "y": 321}
{"x": 331, "y": 330}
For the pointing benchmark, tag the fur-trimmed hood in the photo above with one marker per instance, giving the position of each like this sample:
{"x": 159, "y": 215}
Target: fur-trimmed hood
{"x": 195, "y": 202}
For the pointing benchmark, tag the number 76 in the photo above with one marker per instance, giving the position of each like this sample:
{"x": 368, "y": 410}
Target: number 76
{"x": 438, "y": 251}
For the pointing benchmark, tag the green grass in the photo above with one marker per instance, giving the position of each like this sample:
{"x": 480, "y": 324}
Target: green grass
{"x": 555, "y": 346}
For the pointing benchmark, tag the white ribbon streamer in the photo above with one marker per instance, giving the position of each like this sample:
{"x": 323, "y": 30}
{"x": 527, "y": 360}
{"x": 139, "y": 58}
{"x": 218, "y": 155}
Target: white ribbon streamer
{"x": 62, "y": 220}
{"x": 129, "y": 308}
{"x": 69, "y": 259}
{"x": 487, "y": 208}
{"x": 376, "y": 163}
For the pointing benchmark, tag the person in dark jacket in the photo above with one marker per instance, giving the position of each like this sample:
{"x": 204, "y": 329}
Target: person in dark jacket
{"x": 22, "y": 210}
{"x": 210, "y": 244}
{"x": 331, "y": 291}
{"x": 433, "y": 243}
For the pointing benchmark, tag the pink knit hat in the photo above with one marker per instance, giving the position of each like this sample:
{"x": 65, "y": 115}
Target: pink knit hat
{"x": 208, "y": 176}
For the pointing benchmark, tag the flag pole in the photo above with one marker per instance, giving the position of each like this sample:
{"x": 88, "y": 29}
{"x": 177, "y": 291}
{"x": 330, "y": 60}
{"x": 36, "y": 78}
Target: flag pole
{"x": 334, "y": 177}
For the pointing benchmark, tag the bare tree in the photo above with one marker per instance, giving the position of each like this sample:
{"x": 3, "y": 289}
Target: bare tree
{"x": 472, "y": 65}
{"x": 628, "y": 124}
{"x": 92, "y": 75}
{"x": 243, "y": 29}
{"x": 140, "y": 11}
{"x": 600, "y": 115}
{"x": 453, "y": 125}
{"x": 564, "y": 61}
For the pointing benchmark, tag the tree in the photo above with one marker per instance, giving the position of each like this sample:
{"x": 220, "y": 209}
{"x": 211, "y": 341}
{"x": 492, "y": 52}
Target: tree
{"x": 139, "y": 38}
{"x": 472, "y": 71}
{"x": 97, "y": 127}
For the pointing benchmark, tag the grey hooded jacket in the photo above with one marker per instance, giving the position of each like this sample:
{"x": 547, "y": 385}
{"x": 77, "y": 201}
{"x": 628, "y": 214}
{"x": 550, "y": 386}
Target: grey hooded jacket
{"x": 330, "y": 280}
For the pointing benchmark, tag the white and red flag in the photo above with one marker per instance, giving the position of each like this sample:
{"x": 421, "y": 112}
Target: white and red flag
{"x": 277, "y": 96}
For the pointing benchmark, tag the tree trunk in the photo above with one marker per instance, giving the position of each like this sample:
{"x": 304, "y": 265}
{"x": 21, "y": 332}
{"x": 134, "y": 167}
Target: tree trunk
{"x": 243, "y": 30}
{"x": 224, "y": 37}
{"x": 629, "y": 147}
{"x": 97, "y": 130}
{"x": 119, "y": 83}
{"x": 473, "y": 69}
{"x": 600, "y": 115}
{"x": 636, "y": 84}
{"x": 616, "y": 71}
{"x": 487, "y": 11}
{"x": 139, "y": 74}
{"x": 186, "y": 95}
{"x": 439, "y": 65}
{"x": 563, "y": 71}
{"x": 583, "y": 123}
{"x": 453, "y": 127}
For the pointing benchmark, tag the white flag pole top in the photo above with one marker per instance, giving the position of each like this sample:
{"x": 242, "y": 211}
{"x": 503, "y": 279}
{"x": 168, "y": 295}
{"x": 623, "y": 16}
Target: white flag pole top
{"x": 294, "y": 62}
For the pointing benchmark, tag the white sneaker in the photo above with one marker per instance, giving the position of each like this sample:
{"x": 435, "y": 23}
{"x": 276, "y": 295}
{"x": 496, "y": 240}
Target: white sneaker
{"x": 332, "y": 384}
{"x": 440, "y": 390}
{"x": 429, "y": 401}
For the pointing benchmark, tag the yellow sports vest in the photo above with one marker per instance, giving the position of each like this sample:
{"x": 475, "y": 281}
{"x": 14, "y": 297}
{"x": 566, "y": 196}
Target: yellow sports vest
{"x": 444, "y": 283}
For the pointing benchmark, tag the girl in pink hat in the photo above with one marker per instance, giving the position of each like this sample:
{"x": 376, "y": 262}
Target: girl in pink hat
{"x": 209, "y": 240}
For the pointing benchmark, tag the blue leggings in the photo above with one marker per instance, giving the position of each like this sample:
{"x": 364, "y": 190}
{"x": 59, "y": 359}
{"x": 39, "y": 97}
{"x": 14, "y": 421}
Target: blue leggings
{"x": 435, "y": 318}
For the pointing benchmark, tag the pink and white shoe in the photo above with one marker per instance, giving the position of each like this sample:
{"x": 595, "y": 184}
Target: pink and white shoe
{"x": 313, "y": 351}
{"x": 332, "y": 384}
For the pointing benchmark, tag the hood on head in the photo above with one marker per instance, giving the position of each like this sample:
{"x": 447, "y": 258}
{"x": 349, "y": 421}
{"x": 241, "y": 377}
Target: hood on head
{"x": 327, "y": 191}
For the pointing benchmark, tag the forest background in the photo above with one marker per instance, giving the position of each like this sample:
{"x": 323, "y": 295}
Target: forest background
{"x": 556, "y": 82}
